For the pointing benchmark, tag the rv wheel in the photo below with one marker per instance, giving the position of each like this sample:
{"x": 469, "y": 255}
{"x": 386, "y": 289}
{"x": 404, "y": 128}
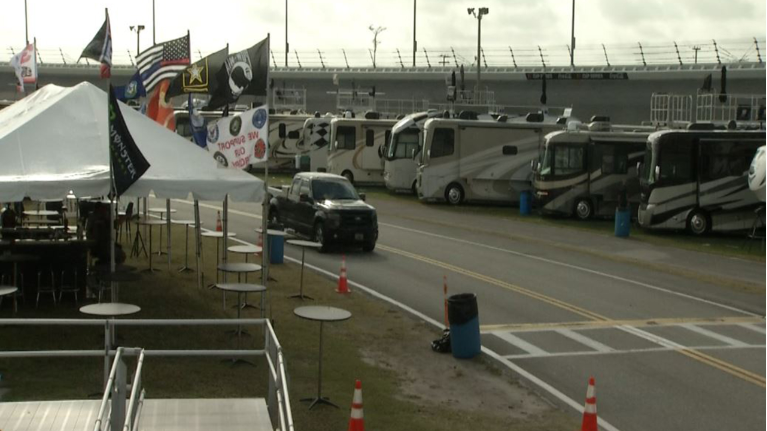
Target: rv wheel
{"x": 584, "y": 209}
{"x": 454, "y": 194}
{"x": 349, "y": 176}
{"x": 414, "y": 189}
{"x": 698, "y": 223}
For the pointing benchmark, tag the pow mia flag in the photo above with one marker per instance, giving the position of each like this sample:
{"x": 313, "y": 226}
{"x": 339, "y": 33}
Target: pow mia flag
{"x": 128, "y": 164}
{"x": 244, "y": 72}
{"x": 200, "y": 77}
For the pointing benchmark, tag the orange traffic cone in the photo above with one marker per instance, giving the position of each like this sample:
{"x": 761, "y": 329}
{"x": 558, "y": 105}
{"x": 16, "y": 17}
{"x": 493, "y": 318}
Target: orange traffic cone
{"x": 218, "y": 222}
{"x": 343, "y": 286}
{"x": 590, "y": 410}
{"x": 356, "y": 421}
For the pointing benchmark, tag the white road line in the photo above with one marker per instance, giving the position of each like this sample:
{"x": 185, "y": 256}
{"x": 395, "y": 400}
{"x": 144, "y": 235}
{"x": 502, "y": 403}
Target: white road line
{"x": 586, "y": 341}
{"x": 715, "y": 335}
{"x": 556, "y": 393}
{"x": 579, "y": 268}
{"x": 629, "y": 351}
{"x": 753, "y": 327}
{"x": 522, "y": 344}
{"x": 650, "y": 337}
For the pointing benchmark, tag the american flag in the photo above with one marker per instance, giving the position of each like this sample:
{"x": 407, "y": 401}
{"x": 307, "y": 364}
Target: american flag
{"x": 163, "y": 61}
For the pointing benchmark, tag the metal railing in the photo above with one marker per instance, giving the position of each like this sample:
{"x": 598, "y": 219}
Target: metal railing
{"x": 716, "y": 107}
{"x": 598, "y": 54}
{"x": 667, "y": 109}
{"x": 278, "y": 400}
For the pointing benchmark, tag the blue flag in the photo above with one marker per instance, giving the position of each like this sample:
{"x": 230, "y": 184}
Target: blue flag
{"x": 197, "y": 125}
{"x": 132, "y": 90}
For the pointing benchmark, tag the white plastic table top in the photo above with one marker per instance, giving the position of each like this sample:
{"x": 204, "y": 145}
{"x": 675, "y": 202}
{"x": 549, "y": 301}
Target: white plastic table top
{"x": 160, "y": 210}
{"x": 303, "y": 243}
{"x": 152, "y": 222}
{"x": 40, "y": 213}
{"x": 240, "y": 267}
{"x": 241, "y": 287}
{"x": 186, "y": 222}
{"x": 245, "y": 249}
{"x": 322, "y": 313}
{"x": 110, "y": 309}
{"x": 273, "y": 232}
{"x": 7, "y": 290}
{"x": 216, "y": 234}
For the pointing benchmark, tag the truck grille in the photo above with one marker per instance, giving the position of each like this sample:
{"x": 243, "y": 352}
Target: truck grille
{"x": 355, "y": 218}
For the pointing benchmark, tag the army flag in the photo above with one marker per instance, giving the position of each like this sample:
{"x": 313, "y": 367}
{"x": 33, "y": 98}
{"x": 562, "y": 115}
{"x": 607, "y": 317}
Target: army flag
{"x": 244, "y": 72}
{"x": 200, "y": 77}
{"x": 100, "y": 48}
{"x": 128, "y": 164}
{"x": 241, "y": 140}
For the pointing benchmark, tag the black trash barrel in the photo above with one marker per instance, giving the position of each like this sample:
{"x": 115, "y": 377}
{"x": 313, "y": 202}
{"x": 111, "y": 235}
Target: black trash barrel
{"x": 463, "y": 315}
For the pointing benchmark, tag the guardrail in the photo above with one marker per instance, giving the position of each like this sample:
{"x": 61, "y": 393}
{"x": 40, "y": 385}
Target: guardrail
{"x": 278, "y": 400}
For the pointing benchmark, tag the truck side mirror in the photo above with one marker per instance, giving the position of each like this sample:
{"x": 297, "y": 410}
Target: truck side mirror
{"x": 363, "y": 196}
{"x": 303, "y": 197}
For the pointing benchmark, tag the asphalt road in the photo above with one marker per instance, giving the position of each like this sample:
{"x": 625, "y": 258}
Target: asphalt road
{"x": 675, "y": 339}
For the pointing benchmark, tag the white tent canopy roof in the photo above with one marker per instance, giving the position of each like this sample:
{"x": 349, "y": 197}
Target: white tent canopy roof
{"x": 56, "y": 140}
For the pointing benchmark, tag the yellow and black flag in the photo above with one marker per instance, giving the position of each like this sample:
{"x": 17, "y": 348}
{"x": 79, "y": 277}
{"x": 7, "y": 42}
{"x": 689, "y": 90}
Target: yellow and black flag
{"x": 199, "y": 77}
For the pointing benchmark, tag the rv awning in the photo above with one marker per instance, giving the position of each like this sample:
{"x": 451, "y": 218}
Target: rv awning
{"x": 56, "y": 140}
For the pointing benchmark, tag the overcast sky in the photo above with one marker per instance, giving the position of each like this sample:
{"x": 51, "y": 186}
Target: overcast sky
{"x": 329, "y": 25}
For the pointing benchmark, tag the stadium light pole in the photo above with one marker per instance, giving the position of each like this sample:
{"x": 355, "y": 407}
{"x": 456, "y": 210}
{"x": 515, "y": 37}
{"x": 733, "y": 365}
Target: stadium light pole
{"x": 26, "y": 23}
{"x": 137, "y": 29}
{"x": 154, "y": 40}
{"x": 415, "y": 44}
{"x": 287, "y": 46}
{"x": 478, "y": 15}
{"x": 572, "y": 39}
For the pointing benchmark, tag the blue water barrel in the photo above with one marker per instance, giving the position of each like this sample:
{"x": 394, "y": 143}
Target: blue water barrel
{"x": 525, "y": 203}
{"x": 276, "y": 249}
{"x": 622, "y": 222}
{"x": 463, "y": 315}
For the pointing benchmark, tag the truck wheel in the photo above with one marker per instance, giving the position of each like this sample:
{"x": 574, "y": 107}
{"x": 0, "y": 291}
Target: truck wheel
{"x": 454, "y": 194}
{"x": 319, "y": 236}
{"x": 348, "y": 175}
{"x": 698, "y": 223}
{"x": 369, "y": 246}
{"x": 584, "y": 209}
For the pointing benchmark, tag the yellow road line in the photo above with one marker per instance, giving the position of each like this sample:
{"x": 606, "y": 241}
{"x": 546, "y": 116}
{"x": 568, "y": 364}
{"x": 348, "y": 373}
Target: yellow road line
{"x": 693, "y": 354}
{"x": 608, "y": 323}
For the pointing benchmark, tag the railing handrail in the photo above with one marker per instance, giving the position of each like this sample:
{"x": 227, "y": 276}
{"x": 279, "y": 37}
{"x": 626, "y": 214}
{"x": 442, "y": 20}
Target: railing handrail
{"x": 136, "y": 390}
{"x": 107, "y": 390}
{"x": 283, "y": 398}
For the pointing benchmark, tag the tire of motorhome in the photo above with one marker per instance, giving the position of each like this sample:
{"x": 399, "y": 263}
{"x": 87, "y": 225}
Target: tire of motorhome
{"x": 414, "y": 188}
{"x": 698, "y": 223}
{"x": 319, "y": 236}
{"x": 454, "y": 194}
{"x": 348, "y": 175}
{"x": 584, "y": 209}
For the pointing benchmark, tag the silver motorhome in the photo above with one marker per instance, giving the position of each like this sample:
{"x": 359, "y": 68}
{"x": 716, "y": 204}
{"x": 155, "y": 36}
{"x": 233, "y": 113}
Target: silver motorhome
{"x": 478, "y": 160}
{"x": 588, "y": 172}
{"x": 400, "y": 166}
{"x": 698, "y": 180}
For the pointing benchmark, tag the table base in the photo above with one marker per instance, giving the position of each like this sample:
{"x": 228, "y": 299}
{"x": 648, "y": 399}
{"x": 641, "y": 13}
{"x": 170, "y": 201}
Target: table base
{"x": 185, "y": 269}
{"x": 302, "y": 296}
{"x": 318, "y": 400}
{"x": 238, "y": 332}
{"x": 151, "y": 270}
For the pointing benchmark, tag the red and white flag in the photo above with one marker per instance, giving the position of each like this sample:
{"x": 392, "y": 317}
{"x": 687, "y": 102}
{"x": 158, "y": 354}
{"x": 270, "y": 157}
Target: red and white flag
{"x": 25, "y": 66}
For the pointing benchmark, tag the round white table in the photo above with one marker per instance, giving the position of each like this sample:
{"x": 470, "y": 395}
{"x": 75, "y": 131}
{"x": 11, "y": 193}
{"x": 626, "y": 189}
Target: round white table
{"x": 10, "y": 290}
{"x": 241, "y": 288}
{"x": 112, "y": 310}
{"x": 186, "y": 223}
{"x": 247, "y": 250}
{"x": 218, "y": 235}
{"x": 151, "y": 223}
{"x": 304, "y": 245}
{"x": 163, "y": 211}
{"x": 322, "y": 314}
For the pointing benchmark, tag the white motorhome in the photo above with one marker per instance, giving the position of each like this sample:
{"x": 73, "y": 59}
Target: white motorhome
{"x": 476, "y": 160}
{"x": 316, "y": 140}
{"x": 400, "y": 166}
{"x": 588, "y": 172}
{"x": 698, "y": 180}
{"x": 357, "y": 148}
{"x": 285, "y": 140}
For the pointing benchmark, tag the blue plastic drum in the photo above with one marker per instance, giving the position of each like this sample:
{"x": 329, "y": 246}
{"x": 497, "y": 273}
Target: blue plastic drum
{"x": 622, "y": 222}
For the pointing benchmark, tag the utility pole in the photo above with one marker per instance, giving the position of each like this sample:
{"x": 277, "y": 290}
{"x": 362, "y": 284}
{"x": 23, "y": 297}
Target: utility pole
{"x": 415, "y": 43}
{"x": 287, "y": 46}
{"x": 137, "y": 29}
{"x": 572, "y": 39}
{"x": 696, "y": 48}
{"x": 26, "y": 23}
{"x": 482, "y": 12}
{"x": 154, "y": 34}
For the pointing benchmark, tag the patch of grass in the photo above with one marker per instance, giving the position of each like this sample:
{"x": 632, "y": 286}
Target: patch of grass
{"x": 398, "y": 340}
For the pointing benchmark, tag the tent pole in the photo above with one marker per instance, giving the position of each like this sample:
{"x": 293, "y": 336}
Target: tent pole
{"x": 225, "y": 227}
{"x": 265, "y": 201}
{"x": 167, "y": 223}
{"x": 197, "y": 240}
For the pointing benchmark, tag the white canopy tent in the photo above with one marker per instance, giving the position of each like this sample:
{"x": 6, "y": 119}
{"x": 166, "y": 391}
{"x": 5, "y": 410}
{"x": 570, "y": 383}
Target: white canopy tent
{"x": 56, "y": 140}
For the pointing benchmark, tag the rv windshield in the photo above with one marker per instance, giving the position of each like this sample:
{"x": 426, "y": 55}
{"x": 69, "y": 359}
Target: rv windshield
{"x": 546, "y": 161}
{"x": 403, "y": 144}
{"x": 648, "y": 165}
{"x": 332, "y": 190}
{"x": 562, "y": 160}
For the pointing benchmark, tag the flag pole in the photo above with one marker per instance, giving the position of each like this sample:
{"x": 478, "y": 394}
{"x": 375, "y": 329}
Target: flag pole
{"x": 265, "y": 210}
{"x": 112, "y": 188}
{"x": 26, "y": 23}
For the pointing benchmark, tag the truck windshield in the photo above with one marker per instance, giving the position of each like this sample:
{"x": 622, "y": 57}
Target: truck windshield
{"x": 333, "y": 190}
{"x": 404, "y": 144}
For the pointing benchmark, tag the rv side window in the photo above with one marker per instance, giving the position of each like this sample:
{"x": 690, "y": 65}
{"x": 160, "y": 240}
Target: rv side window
{"x": 724, "y": 159}
{"x": 387, "y": 141}
{"x": 346, "y": 138}
{"x": 509, "y": 150}
{"x": 281, "y": 132}
{"x": 676, "y": 162}
{"x": 443, "y": 143}
{"x": 568, "y": 160}
{"x": 614, "y": 159}
{"x": 369, "y": 138}
{"x": 294, "y": 134}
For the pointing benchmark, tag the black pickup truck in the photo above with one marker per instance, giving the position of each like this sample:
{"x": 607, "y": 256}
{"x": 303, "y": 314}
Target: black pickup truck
{"x": 326, "y": 208}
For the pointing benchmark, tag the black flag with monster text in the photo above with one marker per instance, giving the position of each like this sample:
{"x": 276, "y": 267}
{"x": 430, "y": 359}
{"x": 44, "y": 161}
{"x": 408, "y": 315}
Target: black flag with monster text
{"x": 128, "y": 164}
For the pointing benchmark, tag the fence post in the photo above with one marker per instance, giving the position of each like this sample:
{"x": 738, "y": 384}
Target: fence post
{"x": 321, "y": 61}
{"x": 606, "y": 59}
{"x": 716, "y": 49}
{"x": 758, "y": 54}
{"x": 65, "y": 61}
{"x": 641, "y": 52}
{"x": 513, "y": 60}
{"x": 541, "y": 54}
{"x": 426, "y": 54}
{"x": 454, "y": 57}
{"x": 677, "y": 53}
{"x": 107, "y": 347}
{"x": 298, "y": 60}
{"x": 401, "y": 64}
{"x": 483, "y": 57}
{"x": 345, "y": 59}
